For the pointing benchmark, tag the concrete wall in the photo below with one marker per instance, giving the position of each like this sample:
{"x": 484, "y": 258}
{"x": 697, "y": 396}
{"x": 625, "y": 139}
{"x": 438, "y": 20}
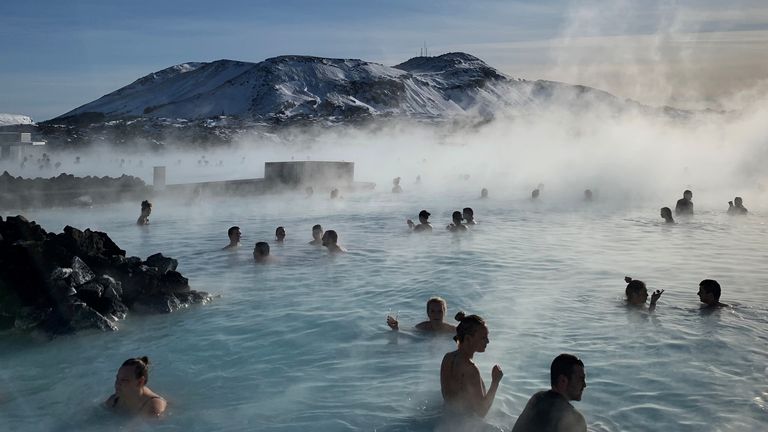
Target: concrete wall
{"x": 309, "y": 173}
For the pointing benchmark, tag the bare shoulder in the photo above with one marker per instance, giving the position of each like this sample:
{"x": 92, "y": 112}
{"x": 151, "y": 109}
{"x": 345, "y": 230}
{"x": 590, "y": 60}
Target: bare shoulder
{"x": 110, "y": 402}
{"x": 157, "y": 406}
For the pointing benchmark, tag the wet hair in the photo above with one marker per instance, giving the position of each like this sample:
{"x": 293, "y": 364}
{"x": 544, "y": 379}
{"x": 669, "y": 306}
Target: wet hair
{"x": 738, "y": 200}
{"x": 634, "y": 286}
{"x": 232, "y": 230}
{"x": 425, "y": 214}
{"x": 468, "y": 325}
{"x": 469, "y": 211}
{"x": 666, "y": 213}
{"x": 262, "y": 248}
{"x": 146, "y": 204}
{"x": 440, "y": 300}
{"x": 140, "y": 365}
{"x": 687, "y": 192}
{"x": 317, "y": 228}
{"x": 278, "y": 229}
{"x": 332, "y": 235}
{"x": 457, "y": 215}
{"x": 563, "y": 365}
{"x": 711, "y": 286}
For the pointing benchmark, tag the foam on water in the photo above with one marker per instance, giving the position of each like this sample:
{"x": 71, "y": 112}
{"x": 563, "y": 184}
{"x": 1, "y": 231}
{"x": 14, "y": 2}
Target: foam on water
{"x": 302, "y": 344}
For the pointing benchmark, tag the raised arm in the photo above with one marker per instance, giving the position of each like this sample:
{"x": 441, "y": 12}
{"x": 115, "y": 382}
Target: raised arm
{"x": 481, "y": 400}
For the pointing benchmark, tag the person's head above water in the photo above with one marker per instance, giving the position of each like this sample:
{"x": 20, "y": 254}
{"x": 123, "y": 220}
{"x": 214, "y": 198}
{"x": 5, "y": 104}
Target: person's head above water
{"x": 566, "y": 375}
{"x": 471, "y": 330}
{"x": 261, "y": 251}
{"x": 436, "y": 308}
{"x": 588, "y": 194}
{"x": 317, "y": 232}
{"x": 330, "y": 238}
{"x": 280, "y": 234}
{"x": 146, "y": 207}
{"x": 738, "y": 201}
{"x": 687, "y": 195}
{"x": 234, "y": 235}
{"x": 636, "y": 291}
{"x": 136, "y": 374}
{"x": 468, "y": 214}
{"x": 484, "y": 193}
{"x": 424, "y": 216}
{"x": 131, "y": 392}
{"x": 666, "y": 213}
{"x": 709, "y": 292}
{"x": 457, "y": 217}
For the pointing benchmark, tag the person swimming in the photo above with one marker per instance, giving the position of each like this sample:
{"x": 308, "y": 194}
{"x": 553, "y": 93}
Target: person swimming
{"x": 146, "y": 210}
{"x": 469, "y": 216}
{"x": 460, "y": 382}
{"x": 684, "y": 206}
{"x": 280, "y": 234}
{"x": 234, "y": 235}
{"x": 330, "y": 240}
{"x": 132, "y": 396}
{"x": 423, "y": 225}
{"x": 483, "y": 193}
{"x": 317, "y": 235}
{"x": 587, "y": 195}
{"x": 709, "y": 293}
{"x": 637, "y": 293}
{"x": 666, "y": 213}
{"x": 535, "y": 194}
{"x": 436, "y": 310}
{"x": 261, "y": 252}
{"x": 396, "y": 188}
{"x": 334, "y": 193}
{"x": 551, "y": 410}
{"x": 456, "y": 226}
{"x": 737, "y": 209}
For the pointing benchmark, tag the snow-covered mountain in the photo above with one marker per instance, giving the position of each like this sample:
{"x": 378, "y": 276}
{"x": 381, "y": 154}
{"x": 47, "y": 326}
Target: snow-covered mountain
{"x": 15, "y": 119}
{"x": 290, "y": 87}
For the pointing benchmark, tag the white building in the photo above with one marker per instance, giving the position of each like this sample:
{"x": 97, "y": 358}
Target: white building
{"x": 15, "y": 145}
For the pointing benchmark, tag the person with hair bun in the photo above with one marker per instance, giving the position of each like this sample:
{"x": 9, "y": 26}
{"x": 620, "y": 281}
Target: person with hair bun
{"x": 637, "y": 293}
{"x": 460, "y": 383}
{"x": 132, "y": 396}
{"x": 146, "y": 209}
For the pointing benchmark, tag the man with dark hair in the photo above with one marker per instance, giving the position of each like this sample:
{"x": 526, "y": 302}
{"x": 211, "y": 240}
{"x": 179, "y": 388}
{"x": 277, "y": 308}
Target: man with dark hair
{"x": 551, "y": 410}
{"x": 684, "y": 206}
{"x": 709, "y": 293}
{"x": 456, "y": 226}
{"x": 317, "y": 235}
{"x": 469, "y": 216}
{"x": 261, "y": 252}
{"x": 330, "y": 240}
{"x": 234, "y": 235}
{"x": 423, "y": 225}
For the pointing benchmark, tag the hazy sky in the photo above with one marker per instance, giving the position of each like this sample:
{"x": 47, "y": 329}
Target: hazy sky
{"x": 57, "y": 55}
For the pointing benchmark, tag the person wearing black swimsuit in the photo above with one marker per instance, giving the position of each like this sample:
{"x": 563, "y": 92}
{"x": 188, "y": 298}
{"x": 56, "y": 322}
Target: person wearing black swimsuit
{"x": 132, "y": 396}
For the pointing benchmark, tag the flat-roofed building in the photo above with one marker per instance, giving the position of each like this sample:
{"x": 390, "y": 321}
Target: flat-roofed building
{"x": 15, "y": 145}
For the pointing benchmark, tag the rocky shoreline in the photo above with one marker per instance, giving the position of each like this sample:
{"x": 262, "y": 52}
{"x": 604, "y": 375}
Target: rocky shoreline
{"x": 79, "y": 280}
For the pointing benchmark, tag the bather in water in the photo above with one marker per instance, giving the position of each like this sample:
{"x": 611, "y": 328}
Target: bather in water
{"x": 280, "y": 234}
{"x": 684, "y": 206}
{"x": 709, "y": 293}
{"x": 317, "y": 235}
{"x": 234, "y": 235}
{"x": 666, "y": 213}
{"x": 460, "y": 381}
{"x": 146, "y": 210}
{"x": 436, "y": 310}
{"x": 132, "y": 396}
{"x": 423, "y": 225}
{"x": 456, "y": 226}
{"x": 261, "y": 253}
{"x": 637, "y": 294}
{"x": 738, "y": 209}
{"x": 330, "y": 240}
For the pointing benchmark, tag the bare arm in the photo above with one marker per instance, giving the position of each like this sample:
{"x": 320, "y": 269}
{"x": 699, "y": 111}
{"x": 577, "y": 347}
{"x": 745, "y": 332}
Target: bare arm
{"x": 480, "y": 399}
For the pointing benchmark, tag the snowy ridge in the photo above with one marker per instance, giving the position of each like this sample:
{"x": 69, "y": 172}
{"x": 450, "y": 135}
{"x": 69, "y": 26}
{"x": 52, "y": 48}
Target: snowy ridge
{"x": 291, "y": 86}
{"x": 15, "y": 119}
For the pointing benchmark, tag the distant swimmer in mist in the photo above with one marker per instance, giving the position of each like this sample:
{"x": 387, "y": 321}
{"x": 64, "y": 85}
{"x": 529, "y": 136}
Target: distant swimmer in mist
{"x": 684, "y": 206}
{"x": 280, "y": 234}
{"x": 456, "y": 225}
{"x": 483, "y": 193}
{"x": 330, "y": 240}
{"x": 460, "y": 382}
{"x": 132, "y": 396}
{"x": 436, "y": 310}
{"x": 309, "y": 191}
{"x": 146, "y": 209}
{"x": 261, "y": 253}
{"x": 709, "y": 293}
{"x": 234, "y": 235}
{"x": 423, "y": 225}
{"x": 588, "y": 195}
{"x": 396, "y": 188}
{"x": 535, "y": 194}
{"x": 469, "y": 216}
{"x": 418, "y": 179}
{"x": 551, "y": 410}
{"x": 637, "y": 293}
{"x": 317, "y": 235}
{"x": 738, "y": 208}
{"x": 334, "y": 193}
{"x": 666, "y": 213}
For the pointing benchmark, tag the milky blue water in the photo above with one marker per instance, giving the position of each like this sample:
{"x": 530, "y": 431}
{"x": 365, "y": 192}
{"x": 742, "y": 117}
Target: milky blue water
{"x": 302, "y": 344}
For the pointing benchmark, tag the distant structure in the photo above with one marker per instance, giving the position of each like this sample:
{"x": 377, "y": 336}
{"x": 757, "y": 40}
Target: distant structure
{"x": 15, "y": 145}
{"x": 314, "y": 173}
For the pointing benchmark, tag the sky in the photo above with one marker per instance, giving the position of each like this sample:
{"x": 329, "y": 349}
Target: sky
{"x": 57, "y": 55}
